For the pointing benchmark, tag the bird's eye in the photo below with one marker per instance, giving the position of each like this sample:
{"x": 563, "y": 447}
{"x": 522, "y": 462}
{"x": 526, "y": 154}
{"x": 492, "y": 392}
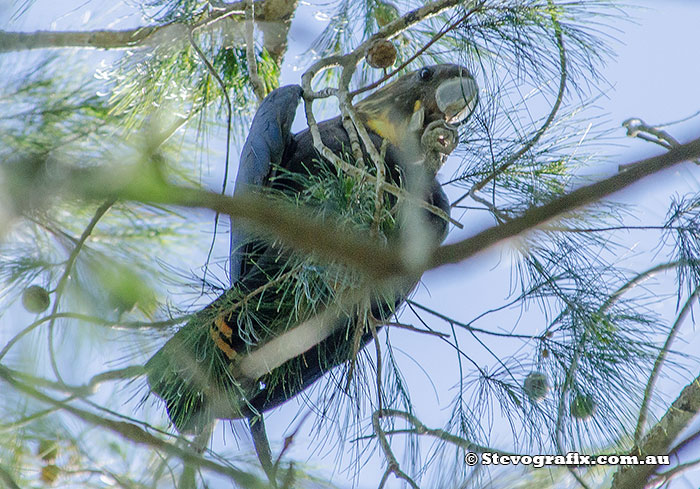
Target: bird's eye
{"x": 425, "y": 74}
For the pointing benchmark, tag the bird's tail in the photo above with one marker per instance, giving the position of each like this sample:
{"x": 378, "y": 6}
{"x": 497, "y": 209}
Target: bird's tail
{"x": 192, "y": 376}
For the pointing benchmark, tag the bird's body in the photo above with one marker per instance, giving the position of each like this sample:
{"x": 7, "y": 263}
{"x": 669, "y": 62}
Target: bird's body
{"x": 197, "y": 373}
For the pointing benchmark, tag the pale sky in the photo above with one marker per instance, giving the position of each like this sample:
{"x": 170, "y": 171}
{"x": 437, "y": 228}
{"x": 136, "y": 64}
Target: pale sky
{"x": 655, "y": 76}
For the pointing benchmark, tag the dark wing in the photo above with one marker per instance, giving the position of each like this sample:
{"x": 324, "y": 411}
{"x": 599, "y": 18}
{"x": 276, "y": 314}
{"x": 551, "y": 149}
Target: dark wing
{"x": 269, "y": 136}
{"x": 191, "y": 372}
{"x": 183, "y": 373}
{"x": 301, "y": 156}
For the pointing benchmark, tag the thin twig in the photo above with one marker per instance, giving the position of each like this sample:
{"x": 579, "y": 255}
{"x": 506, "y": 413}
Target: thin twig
{"x": 134, "y": 325}
{"x": 468, "y": 326}
{"x": 393, "y": 466}
{"x": 410, "y": 327}
{"x": 545, "y": 126}
{"x": 378, "y": 350}
{"x": 636, "y": 280}
{"x": 637, "y": 128}
{"x": 420, "y": 51}
{"x": 229, "y": 117}
{"x": 101, "y": 210}
{"x": 420, "y": 429}
{"x": 256, "y": 425}
{"x": 135, "y": 434}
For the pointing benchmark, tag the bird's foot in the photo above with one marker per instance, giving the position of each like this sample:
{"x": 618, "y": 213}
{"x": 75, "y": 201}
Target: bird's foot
{"x": 440, "y": 137}
{"x": 438, "y": 140}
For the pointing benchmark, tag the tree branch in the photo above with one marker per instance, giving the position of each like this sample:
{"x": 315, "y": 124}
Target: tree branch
{"x": 106, "y": 39}
{"x": 660, "y": 437}
{"x": 333, "y": 242}
{"x": 135, "y": 325}
{"x": 581, "y": 197}
{"x": 134, "y": 434}
{"x": 291, "y": 225}
{"x": 62, "y": 282}
{"x": 274, "y": 19}
{"x": 648, "y": 391}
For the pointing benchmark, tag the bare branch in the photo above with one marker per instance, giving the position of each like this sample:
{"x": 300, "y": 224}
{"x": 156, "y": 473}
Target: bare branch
{"x": 648, "y": 391}
{"x": 660, "y": 437}
{"x": 420, "y": 429}
{"x": 291, "y": 225}
{"x": 273, "y": 19}
{"x": 140, "y": 37}
{"x": 637, "y": 128}
{"x": 107, "y": 39}
{"x": 255, "y": 80}
{"x": 298, "y": 229}
{"x": 393, "y": 466}
{"x": 581, "y": 197}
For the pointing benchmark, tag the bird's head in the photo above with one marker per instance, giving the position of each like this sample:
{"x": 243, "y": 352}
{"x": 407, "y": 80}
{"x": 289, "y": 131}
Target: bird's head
{"x": 402, "y": 110}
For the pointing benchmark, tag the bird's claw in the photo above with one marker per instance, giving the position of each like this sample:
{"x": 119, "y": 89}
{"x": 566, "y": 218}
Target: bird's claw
{"x": 440, "y": 137}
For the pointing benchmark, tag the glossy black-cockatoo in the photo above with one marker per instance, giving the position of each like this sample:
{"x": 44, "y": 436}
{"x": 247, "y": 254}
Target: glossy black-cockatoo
{"x": 412, "y": 121}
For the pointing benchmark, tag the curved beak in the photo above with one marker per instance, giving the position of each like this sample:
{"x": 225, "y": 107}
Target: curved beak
{"x": 457, "y": 98}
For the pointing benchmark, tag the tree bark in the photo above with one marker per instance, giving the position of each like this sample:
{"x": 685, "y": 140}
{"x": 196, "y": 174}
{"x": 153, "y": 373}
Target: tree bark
{"x": 659, "y": 439}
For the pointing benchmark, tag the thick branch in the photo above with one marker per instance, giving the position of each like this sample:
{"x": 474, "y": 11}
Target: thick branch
{"x": 660, "y": 437}
{"x": 331, "y": 241}
{"x": 264, "y": 217}
{"x": 581, "y": 197}
{"x": 273, "y": 15}
{"x": 107, "y": 39}
{"x": 660, "y": 359}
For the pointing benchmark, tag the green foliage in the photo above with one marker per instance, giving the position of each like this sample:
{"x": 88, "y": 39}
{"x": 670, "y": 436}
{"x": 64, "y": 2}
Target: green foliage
{"x": 573, "y": 380}
{"x": 174, "y": 10}
{"x": 286, "y": 289}
{"x": 683, "y": 229}
{"x": 174, "y": 77}
{"x": 45, "y": 109}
